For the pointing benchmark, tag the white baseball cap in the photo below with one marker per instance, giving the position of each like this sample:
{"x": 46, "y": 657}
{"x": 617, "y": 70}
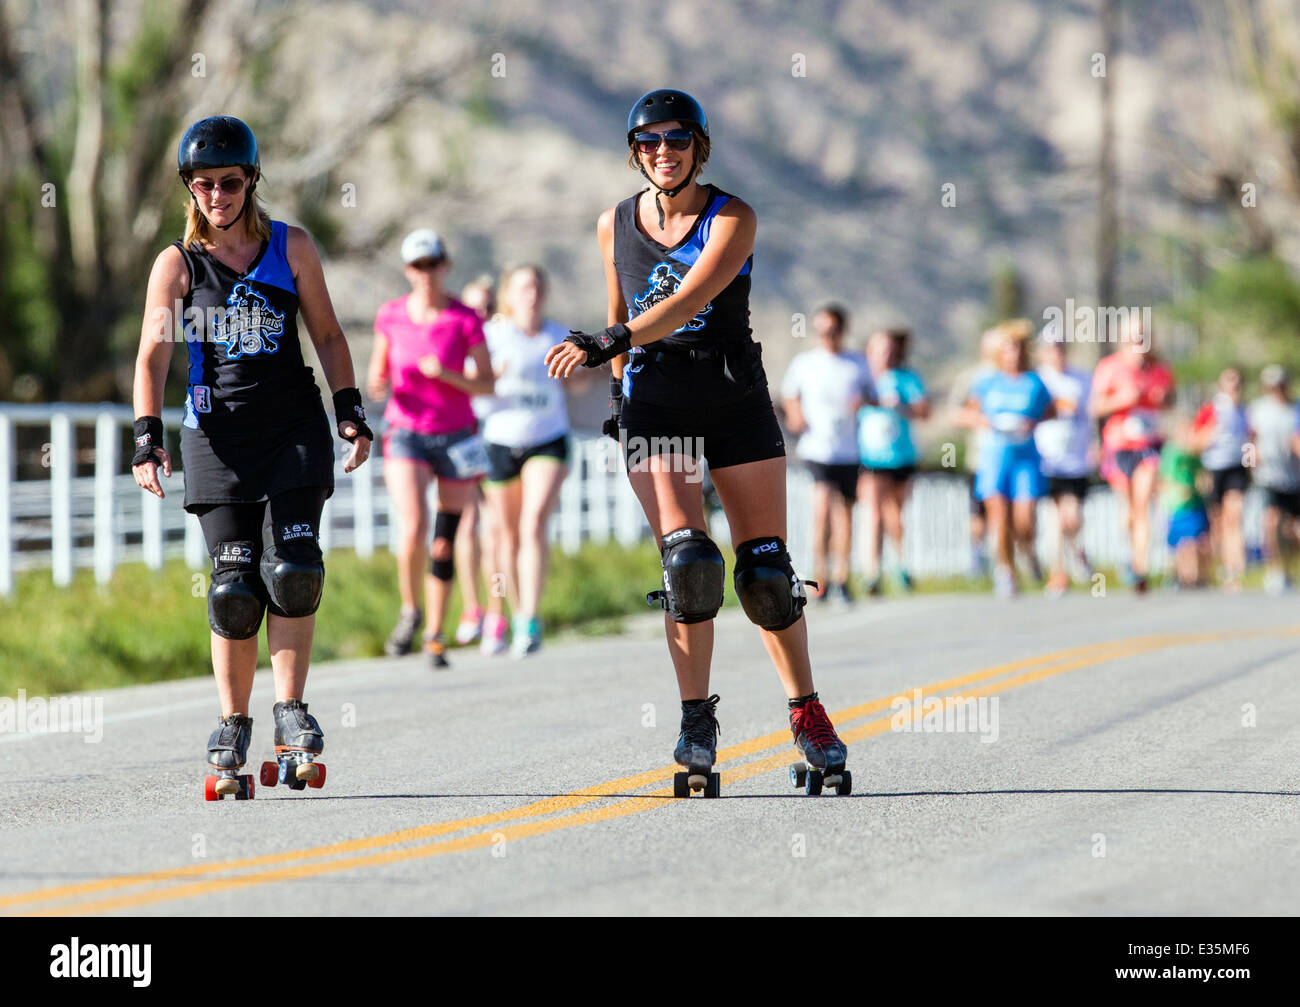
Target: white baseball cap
{"x": 422, "y": 244}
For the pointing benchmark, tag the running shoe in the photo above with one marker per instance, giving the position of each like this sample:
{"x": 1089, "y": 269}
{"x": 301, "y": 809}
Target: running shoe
{"x": 1004, "y": 583}
{"x": 494, "y": 635}
{"x": 470, "y": 627}
{"x": 436, "y": 647}
{"x": 527, "y": 638}
{"x": 408, "y": 624}
{"x": 1057, "y": 586}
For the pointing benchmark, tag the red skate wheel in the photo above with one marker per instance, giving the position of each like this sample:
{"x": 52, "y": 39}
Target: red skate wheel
{"x": 269, "y": 774}
{"x": 210, "y": 789}
{"x": 319, "y": 782}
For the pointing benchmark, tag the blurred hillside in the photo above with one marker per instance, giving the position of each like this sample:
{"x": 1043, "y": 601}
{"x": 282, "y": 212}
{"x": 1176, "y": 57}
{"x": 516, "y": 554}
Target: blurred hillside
{"x": 501, "y": 125}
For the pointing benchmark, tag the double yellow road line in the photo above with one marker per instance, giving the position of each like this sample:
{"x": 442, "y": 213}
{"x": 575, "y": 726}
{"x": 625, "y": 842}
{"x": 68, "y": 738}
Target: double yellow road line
{"x": 542, "y": 817}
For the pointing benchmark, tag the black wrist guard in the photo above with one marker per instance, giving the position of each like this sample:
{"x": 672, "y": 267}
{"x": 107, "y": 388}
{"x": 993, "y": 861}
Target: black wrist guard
{"x": 610, "y": 426}
{"x": 148, "y": 435}
{"x": 348, "y": 409}
{"x": 601, "y": 346}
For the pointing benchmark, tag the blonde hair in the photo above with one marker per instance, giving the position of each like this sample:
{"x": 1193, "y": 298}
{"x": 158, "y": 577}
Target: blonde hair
{"x": 256, "y": 221}
{"x": 503, "y": 285}
{"x": 1018, "y": 331}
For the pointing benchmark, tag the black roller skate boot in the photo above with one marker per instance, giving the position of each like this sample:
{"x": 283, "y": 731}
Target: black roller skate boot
{"x": 697, "y": 749}
{"x": 298, "y": 740}
{"x": 227, "y": 751}
{"x": 824, "y": 754}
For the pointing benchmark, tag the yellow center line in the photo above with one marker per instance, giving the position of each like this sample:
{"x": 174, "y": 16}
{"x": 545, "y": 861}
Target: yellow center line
{"x": 547, "y": 806}
{"x": 635, "y": 805}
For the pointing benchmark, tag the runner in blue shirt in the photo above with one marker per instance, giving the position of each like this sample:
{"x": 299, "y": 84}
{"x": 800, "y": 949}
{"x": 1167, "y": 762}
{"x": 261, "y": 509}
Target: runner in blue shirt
{"x": 886, "y": 449}
{"x": 1009, "y": 403}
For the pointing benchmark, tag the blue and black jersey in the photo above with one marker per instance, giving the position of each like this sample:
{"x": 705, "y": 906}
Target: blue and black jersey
{"x": 246, "y": 366}
{"x": 650, "y": 272}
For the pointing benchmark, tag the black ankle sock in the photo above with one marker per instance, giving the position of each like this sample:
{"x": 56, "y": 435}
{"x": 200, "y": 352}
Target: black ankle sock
{"x": 690, "y": 704}
{"x": 796, "y": 703}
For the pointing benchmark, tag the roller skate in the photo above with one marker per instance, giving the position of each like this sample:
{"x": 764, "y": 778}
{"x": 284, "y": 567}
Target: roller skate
{"x": 298, "y": 740}
{"x": 227, "y": 750}
{"x": 697, "y": 750}
{"x": 824, "y": 754}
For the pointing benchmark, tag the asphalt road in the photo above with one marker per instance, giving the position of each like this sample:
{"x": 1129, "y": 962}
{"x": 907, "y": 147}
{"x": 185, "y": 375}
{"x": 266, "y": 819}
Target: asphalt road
{"x": 1145, "y": 758}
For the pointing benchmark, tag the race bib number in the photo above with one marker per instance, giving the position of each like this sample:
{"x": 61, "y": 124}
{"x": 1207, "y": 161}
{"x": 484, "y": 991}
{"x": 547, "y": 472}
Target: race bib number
{"x": 469, "y": 457}
{"x": 880, "y": 429}
{"x": 1140, "y": 425}
{"x": 1012, "y": 427}
{"x": 1053, "y": 438}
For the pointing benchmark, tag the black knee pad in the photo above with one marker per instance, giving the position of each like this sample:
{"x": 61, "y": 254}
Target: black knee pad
{"x": 770, "y": 593}
{"x": 235, "y": 600}
{"x": 445, "y": 524}
{"x": 694, "y": 571}
{"x": 292, "y": 570}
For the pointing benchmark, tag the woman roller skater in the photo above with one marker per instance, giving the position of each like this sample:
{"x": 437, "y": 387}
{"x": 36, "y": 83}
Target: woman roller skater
{"x": 259, "y": 458}
{"x": 677, "y": 268}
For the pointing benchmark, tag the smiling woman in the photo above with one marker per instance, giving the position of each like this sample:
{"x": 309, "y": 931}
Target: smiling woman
{"x": 689, "y": 381}
{"x": 259, "y": 458}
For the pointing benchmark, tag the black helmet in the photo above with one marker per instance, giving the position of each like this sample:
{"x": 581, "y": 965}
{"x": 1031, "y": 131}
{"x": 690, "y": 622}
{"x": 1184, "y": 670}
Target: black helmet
{"x": 219, "y": 141}
{"x": 665, "y": 104}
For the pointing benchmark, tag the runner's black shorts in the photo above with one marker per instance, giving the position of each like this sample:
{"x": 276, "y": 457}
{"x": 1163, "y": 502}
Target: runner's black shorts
{"x": 843, "y": 477}
{"x": 1067, "y": 486}
{"x": 1225, "y": 481}
{"x": 725, "y": 432}
{"x": 898, "y": 475}
{"x": 1288, "y": 502}
{"x": 505, "y": 463}
{"x": 229, "y": 468}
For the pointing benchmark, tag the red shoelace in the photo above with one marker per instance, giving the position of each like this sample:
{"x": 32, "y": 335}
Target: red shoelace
{"x": 811, "y": 721}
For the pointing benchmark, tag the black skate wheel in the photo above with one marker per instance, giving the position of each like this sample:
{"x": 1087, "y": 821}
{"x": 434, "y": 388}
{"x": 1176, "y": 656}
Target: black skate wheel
{"x": 813, "y": 785}
{"x": 297, "y": 784}
{"x": 246, "y": 789}
{"x": 269, "y": 774}
{"x": 798, "y": 773}
{"x": 681, "y": 788}
{"x": 846, "y": 784}
{"x": 714, "y": 787}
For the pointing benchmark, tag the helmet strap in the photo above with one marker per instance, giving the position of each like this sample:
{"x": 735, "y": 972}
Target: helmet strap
{"x": 248, "y": 198}
{"x": 663, "y": 191}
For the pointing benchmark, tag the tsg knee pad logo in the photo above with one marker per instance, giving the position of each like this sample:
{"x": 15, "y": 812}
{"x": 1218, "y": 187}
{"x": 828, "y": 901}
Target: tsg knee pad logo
{"x": 663, "y": 284}
{"x": 249, "y": 325}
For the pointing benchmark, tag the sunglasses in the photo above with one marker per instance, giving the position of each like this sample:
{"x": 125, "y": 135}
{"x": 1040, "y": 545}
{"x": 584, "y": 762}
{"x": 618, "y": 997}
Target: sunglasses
{"x": 229, "y": 186}
{"x": 677, "y": 139}
{"x": 425, "y": 264}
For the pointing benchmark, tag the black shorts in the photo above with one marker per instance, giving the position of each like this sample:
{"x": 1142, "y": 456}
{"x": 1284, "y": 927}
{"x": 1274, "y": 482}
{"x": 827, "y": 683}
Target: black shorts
{"x": 725, "y": 433}
{"x": 288, "y": 522}
{"x": 248, "y": 467}
{"x": 843, "y": 477}
{"x": 1225, "y": 481}
{"x": 899, "y": 475}
{"x": 1067, "y": 486}
{"x": 505, "y": 463}
{"x": 1127, "y": 462}
{"x": 1287, "y": 502}
{"x": 458, "y": 455}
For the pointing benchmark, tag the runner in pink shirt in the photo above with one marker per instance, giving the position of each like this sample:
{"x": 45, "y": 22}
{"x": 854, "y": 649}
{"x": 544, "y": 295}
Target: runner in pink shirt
{"x": 423, "y": 342}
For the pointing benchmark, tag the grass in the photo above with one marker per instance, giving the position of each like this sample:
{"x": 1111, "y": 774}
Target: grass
{"x": 151, "y": 625}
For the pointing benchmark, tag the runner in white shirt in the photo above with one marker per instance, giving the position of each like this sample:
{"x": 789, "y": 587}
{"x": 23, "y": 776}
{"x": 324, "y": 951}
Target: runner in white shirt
{"x": 1276, "y": 471}
{"x": 526, "y": 432}
{"x": 821, "y": 394}
{"x": 1066, "y": 447}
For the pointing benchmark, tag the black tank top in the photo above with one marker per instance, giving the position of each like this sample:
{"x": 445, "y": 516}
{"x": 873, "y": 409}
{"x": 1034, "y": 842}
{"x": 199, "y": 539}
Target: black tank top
{"x": 649, "y": 272}
{"x": 241, "y": 331}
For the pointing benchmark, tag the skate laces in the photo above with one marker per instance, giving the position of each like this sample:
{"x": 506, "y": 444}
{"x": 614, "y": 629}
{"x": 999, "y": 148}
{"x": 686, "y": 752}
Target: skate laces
{"x": 815, "y": 725}
{"x": 700, "y": 723}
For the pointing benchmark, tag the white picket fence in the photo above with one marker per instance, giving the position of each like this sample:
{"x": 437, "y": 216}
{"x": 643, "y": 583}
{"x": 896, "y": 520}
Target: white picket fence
{"x": 64, "y": 521}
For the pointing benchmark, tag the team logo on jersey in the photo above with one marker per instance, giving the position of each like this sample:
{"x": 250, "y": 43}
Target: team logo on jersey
{"x": 663, "y": 284}
{"x": 249, "y": 325}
